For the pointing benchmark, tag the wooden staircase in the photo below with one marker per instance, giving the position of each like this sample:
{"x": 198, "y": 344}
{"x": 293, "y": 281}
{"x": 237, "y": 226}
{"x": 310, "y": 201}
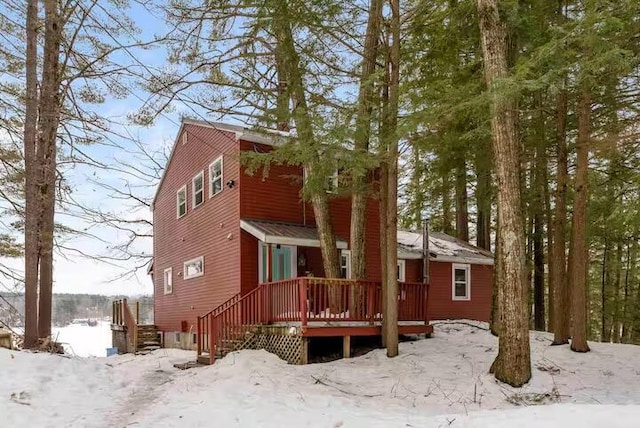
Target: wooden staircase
{"x": 147, "y": 338}
{"x": 229, "y": 327}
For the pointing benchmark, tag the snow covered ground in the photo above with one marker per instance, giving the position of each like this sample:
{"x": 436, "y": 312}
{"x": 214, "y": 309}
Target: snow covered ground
{"x": 83, "y": 340}
{"x": 437, "y": 382}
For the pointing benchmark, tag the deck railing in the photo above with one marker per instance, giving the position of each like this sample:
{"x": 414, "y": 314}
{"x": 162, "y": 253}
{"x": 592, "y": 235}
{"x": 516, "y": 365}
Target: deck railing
{"x": 304, "y": 300}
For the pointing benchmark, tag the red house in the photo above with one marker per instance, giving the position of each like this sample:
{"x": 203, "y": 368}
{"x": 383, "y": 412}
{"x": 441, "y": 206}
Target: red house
{"x": 237, "y": 258}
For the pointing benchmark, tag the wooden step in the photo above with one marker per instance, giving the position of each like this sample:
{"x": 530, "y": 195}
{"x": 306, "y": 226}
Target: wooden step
{"x": 203, "y": 359}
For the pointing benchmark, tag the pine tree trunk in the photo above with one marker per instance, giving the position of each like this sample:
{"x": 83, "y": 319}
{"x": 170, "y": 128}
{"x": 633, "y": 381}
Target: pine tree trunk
{"x": 462, "y": 212}
{"x": 391, "y": 249}
{"x": 617, "y": 321}
{"x": 538, "y": 220}
{"x": 49, "y": 119}
{"x": 560, "y": 285}
{"x": 446, "y": 205}
{"x": 384, "y": 188}
{"x": 384, "y": 195}
{"x": 361, "y": 141}
{"x": 498, "y": 278}
{"x": 605, "y": 330}
{"x": 32, "y": 176}
{"x": 483, "y": 202}
{"x": 625, "y": 310}
{"x": 579, "y": 254}
{"x": 319, "y": 199}
{"x": 550, "y": 262}
{"x": 513, "y": 363}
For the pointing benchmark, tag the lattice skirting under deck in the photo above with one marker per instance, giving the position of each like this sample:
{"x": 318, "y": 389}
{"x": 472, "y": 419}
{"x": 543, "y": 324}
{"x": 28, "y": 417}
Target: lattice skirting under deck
{"x": 280, "y": 341}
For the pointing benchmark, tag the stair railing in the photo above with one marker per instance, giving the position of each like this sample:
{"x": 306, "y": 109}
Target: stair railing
{"x": 204, "y": 321}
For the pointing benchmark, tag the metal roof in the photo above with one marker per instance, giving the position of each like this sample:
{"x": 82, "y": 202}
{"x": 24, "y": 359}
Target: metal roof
{"x": 272, "y": 232}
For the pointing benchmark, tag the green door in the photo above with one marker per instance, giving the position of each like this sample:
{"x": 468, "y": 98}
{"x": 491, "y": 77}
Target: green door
{"x": 281, "y": 267}
{"x": 281, "y": 263}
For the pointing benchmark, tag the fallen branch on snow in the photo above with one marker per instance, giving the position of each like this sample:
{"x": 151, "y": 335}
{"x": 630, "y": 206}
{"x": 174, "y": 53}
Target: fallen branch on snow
{"x": 459, "y": 322}
{"x": 321, "y": 382}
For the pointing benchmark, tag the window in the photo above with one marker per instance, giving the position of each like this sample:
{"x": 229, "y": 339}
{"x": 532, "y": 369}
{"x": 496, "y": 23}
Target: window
{"x": 181, "y": 200}
{"x": 194, "y": 268}
{"x": 461, "y": 282}
{"x": 402, "y": 268}
{"x": 333, "y": 182}
{"x": 168, "y": 281}
{"x": 198, "y": 189}
{"x": 215, "y": 177}
{"x": 345, "y": 264}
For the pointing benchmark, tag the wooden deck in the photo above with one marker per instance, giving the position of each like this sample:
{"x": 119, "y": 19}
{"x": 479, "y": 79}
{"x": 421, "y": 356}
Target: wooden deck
{"x": 310, "y": 307}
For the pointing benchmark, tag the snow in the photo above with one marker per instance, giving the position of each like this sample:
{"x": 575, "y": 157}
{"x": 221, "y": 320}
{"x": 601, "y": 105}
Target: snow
{"x": 441, "y": 381}
{"x": 83, "y": 340}
{"x": 442, "y": 245}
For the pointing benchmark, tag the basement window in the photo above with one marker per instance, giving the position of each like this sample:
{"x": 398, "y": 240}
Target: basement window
{"x": 168, "y": 281}
{"x": 198, "y": 189}
{"x": 215, "y": 177}
{"x": 461, "y": 282}
{"x": 181, "y": 201}
{"x": 194, "y": 268}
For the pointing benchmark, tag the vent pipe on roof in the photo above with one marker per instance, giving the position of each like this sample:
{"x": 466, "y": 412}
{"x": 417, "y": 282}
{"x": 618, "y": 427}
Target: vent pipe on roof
{"x": 425, "y": 250}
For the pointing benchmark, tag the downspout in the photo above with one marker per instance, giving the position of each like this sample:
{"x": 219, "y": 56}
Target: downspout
{"x": 425, "y": 250}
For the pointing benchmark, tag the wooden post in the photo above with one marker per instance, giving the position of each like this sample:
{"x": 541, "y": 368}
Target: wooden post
{"x": 303, "y": 282}
{"x": 212, "y": 346}
{"x": 199, "y": 337}
{"x": 425, "y": 251}
{"x": 371, "y": 295}
{"x": 304, "y": 351}
{"x": 346, "y": 347}
{"x": 269, "y": 263}
{"x": 138, "y": 312}
{"x": 113, "y": 312}
{"x": 426, "y": 303}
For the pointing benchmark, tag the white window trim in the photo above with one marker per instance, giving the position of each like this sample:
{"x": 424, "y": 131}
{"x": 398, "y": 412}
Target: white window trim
{"x": 348, "y": 254}
{"x": 294, "y": 260}
{"x": 211, "y": 194}
{"x": 402, "y": 270}
{"x": 335, "y": 181}
{"x": 467, "y": 268}
{"x": 193, "y": 187}
{"x": 169, "y": 289}
{"x": 188, "y": 262}
{"x": 186, "y": 204}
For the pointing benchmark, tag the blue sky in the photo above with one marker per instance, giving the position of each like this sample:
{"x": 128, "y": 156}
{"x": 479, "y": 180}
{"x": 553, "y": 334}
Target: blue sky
{"x": 78, "y": 274}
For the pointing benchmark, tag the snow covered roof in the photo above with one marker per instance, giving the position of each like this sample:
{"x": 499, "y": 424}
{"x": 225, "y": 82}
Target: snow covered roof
{"x": 442, "y": 248}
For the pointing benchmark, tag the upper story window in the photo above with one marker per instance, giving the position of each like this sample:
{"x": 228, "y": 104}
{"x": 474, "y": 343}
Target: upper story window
{"x": 168, "y": 281}
{"x": 345, "y": 264}
{"x": 198, "y": 189}
{"x": 181, "y": 201}
{"x": 461, "y": 282}
{"x": 215, "y": 177}
{"x": 402, "y": 270}
{"x": 194, "y": 268}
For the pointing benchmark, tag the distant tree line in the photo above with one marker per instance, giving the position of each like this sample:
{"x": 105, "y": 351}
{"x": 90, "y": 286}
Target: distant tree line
{"x": 67, "y": 307}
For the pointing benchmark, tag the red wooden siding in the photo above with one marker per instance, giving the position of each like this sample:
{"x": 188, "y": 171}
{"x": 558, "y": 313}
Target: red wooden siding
{"x": 210, "y": 230}
{"x": 441, "y": 305}
{"x": 275, "y": 197}
{"x": 278, "y": 198}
